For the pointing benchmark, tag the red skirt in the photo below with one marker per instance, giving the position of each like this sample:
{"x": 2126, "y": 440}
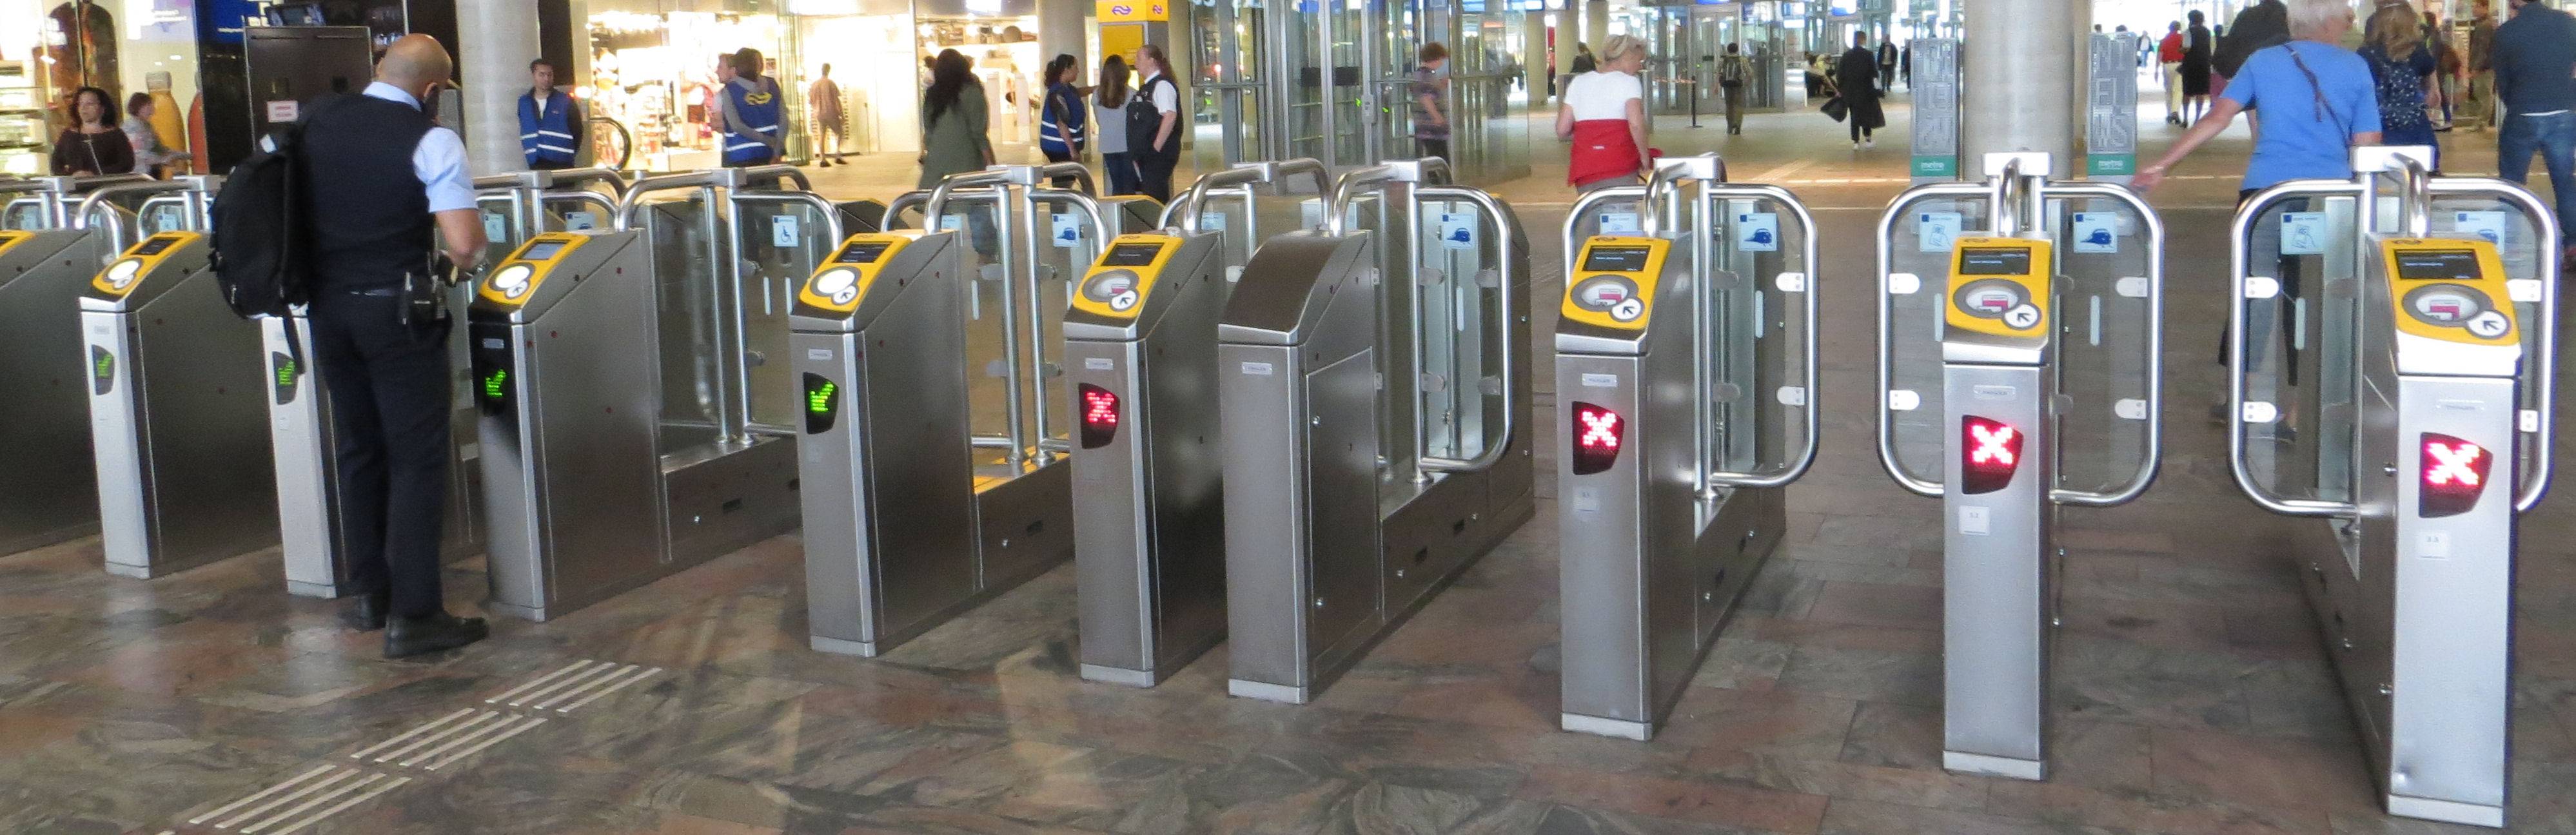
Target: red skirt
{"x": 1603, "y": 149}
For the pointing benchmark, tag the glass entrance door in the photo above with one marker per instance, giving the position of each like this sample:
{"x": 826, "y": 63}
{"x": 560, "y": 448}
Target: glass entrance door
{"x": 1230, "y": 117}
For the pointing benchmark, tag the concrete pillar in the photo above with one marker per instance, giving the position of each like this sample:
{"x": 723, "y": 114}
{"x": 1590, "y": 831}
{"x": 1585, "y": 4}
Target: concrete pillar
{"x": 1063, "y": 30}
{"x": 492, "y": 62}
{"x": 2020, "y": 89}
{"x": 1534, "y": 62}
{"x": 1596, "y": 25}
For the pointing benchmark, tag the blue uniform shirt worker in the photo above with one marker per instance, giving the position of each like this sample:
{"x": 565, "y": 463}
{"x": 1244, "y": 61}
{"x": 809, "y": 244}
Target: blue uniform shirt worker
{"x": 550, "y": 123}
{"x": 753, "y": 111}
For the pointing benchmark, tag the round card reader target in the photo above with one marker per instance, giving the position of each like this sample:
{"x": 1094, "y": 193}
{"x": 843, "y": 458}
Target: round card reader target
{"x": 1611, "y": 294}
{"x": 513, "y": 281}
{"x": 121, "y": 274}
{"x": 2004, "y": 300}
{"x": 840, "y": 284}
{"x": 1115, "y": 288}
{"x": 2455, "y": 306}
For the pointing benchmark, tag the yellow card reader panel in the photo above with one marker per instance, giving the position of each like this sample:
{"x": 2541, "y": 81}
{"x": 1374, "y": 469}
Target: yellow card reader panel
{"x": 515, "y": 279}
{"x": 127, "y": 271}
{"x": 1118, "y": 283}
{"x": 2000, "y": 286}
{"x": 844, "y": 278}
{"x": 2451, "y": 290}
{"x": 1616, "y": 283}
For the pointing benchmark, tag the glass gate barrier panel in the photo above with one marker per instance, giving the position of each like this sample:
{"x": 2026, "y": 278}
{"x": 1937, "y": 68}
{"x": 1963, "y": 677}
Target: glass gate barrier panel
{"x": 1686, "y": 365}
{"x": 2413, "y": 412}
{"x": 1329, "y": 372}
{"x": 997, "y": 511}
{"x": 643, "y": 341}
{"x": 2019, "y": 373}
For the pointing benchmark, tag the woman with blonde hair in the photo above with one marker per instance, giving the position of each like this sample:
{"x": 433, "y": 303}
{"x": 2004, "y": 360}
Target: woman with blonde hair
{"x": 1604, "y": 114}
{"x": 2401, "y": 69}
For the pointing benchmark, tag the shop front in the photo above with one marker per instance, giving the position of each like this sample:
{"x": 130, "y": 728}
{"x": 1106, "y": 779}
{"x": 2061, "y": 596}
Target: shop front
{"x": 653, "y": 71}
{"x": 122, "y": 47}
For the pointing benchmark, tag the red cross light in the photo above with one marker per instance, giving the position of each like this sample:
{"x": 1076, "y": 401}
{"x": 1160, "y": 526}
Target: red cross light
{"x": 2455, "y": 475}
{"x": 1099, "y": 416}
{"x": 1993, "y": 454}
{"x": 1597, "y": 433}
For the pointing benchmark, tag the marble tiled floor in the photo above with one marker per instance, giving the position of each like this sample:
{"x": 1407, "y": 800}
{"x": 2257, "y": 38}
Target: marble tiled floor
{"x": 2192, "y": 695}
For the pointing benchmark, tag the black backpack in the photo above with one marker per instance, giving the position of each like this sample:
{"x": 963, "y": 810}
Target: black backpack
{"x": 1143, "y": 121}
{"x": 258, "y": 235}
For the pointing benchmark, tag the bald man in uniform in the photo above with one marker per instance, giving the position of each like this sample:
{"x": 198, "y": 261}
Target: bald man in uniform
{"x": 384, "y": 185}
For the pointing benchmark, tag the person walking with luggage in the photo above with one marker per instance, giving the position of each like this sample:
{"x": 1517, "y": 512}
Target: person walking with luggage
{"x": 1733, "y": 72}
{"x": 1604, "y": 114}
{"x": 549, "y": 121}
{"x": 1110, "y": 126}
{"x": 1154, "y": 124}
{"x": 753, "y": 112}
{"x": 1430, "y": 120}
{"x": 386, "y": 187}
{"x": 1856, "y": 83}
{"x": 2535, "y": 82}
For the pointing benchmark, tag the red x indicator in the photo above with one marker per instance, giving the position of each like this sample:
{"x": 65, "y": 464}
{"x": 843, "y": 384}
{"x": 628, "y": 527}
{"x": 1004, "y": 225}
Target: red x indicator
{"x": 1597, "y": 433}
{"x": 2455, "y": 475}
{"x": 1099, "y": 416}
{"x": 1993, "y": 454}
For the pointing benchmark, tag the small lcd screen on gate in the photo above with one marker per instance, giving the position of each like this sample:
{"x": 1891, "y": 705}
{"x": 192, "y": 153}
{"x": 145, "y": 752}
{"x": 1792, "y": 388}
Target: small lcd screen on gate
{"x": 861, "y": 253}
{"x": 1131, "y": 255}
{"x": 1616, "y": 259}
{"x": 2012, "y": 261}
{"x": 155, "y": 246}
{"x": 540, "y": 250}
{"x": 2438, "y": 265}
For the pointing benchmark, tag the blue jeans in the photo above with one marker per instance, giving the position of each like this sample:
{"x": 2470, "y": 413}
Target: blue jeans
{"x": 1121, "y": 171}
{"x": 2553, "y": 137}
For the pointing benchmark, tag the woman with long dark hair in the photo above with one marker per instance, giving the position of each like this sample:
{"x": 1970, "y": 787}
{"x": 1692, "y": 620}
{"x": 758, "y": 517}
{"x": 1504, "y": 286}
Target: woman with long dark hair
{"x": 953, "y": 120}
{"x": 1111, "y": 126}
{"x": 95, "y": 143}
{"x": 1060, "y": 120}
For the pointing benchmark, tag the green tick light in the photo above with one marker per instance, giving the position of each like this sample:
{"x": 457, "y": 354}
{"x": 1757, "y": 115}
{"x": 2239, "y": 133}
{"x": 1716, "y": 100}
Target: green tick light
{"x": 496, "y": 384}
{"x": 819, "y": 399}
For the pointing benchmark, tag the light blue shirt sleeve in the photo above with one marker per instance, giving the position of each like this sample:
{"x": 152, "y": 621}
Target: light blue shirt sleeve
{"x": 439, "y": 161}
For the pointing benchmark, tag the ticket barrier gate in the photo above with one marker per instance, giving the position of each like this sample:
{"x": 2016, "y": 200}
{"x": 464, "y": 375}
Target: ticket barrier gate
{"x": 2414, "y": 414}
{"x": 1371, "y": 383}
{"x": 635, "y": 406}
{"x": 2024, "y": 378}
{"x": 49, "y": 254}
{"x": 914, "y": 513}
{"x": 176, "y": 420}
{"x": 1148, "y": 498}
{"x": 311, "y": 523}
{"x": 1686, "y": 370}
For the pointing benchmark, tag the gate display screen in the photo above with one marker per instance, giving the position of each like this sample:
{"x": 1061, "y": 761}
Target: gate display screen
{"x": 2014, "y": 261}
{"x": 155, "y": 246}
{"x": 1131, "y": 255}
{"x": 2438, "y": 265}
{"x": 1617, "y": 259}
{"x": 541, "y": 250}
{"x": 862, "y": 253}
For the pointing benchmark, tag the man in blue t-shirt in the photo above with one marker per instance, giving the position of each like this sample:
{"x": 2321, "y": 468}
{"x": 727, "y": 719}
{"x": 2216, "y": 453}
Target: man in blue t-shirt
{"x": 2316, "y": 99}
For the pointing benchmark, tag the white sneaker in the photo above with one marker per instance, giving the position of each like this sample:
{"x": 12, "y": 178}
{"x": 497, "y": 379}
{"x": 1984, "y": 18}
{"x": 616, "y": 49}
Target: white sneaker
{"x": 1873, "y": 143}
{"x": 1855, "y": 146}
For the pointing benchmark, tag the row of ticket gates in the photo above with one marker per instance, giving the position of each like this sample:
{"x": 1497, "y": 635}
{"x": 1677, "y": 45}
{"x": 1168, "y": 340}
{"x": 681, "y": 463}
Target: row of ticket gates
{"x": 1285, "y": 409}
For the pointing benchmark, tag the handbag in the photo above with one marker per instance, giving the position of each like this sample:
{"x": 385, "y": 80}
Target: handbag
{"x": 1836, "y": 109}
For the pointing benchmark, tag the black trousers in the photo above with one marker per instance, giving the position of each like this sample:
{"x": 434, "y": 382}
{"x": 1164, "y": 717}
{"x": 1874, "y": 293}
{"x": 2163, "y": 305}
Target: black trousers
{"x": 1434, "y": 148}
{"x": 389, "y": 407}
{"x": 1154, "y": 175}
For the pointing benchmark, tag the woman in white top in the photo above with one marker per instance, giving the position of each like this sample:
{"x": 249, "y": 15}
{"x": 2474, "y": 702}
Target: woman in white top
{"x": 1604, "y": 114}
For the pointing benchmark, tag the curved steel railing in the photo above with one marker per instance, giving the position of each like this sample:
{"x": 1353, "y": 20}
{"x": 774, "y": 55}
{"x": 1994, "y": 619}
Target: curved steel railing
{"x": 1508, "y": 282}
{"x": 2153, "y": 460}
{"x": 1896, "y": 210}
{"x": 2239, "y": 232}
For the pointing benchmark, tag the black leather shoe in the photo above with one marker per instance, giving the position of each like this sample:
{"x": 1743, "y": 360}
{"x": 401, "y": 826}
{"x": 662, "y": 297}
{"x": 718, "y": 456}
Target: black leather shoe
{"x": 367, "y": 612}
{"x": 406, "y": 637}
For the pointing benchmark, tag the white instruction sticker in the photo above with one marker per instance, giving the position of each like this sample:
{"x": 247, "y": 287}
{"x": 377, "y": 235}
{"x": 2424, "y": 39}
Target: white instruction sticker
{"x": 1065, "y": 230}
{"x": 782, "y": 231}
{"x": 1257, "y": 369}
{"x": 2488, "y": 225}
{"x": 2303, "y": 233}
{"x": 577, "y": 221}
{"x": 1757, "y": 232}
{"x": 1458, "y": 231}
{"x": 1939, "y": 230}
{"x": 2097, "y": 233}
